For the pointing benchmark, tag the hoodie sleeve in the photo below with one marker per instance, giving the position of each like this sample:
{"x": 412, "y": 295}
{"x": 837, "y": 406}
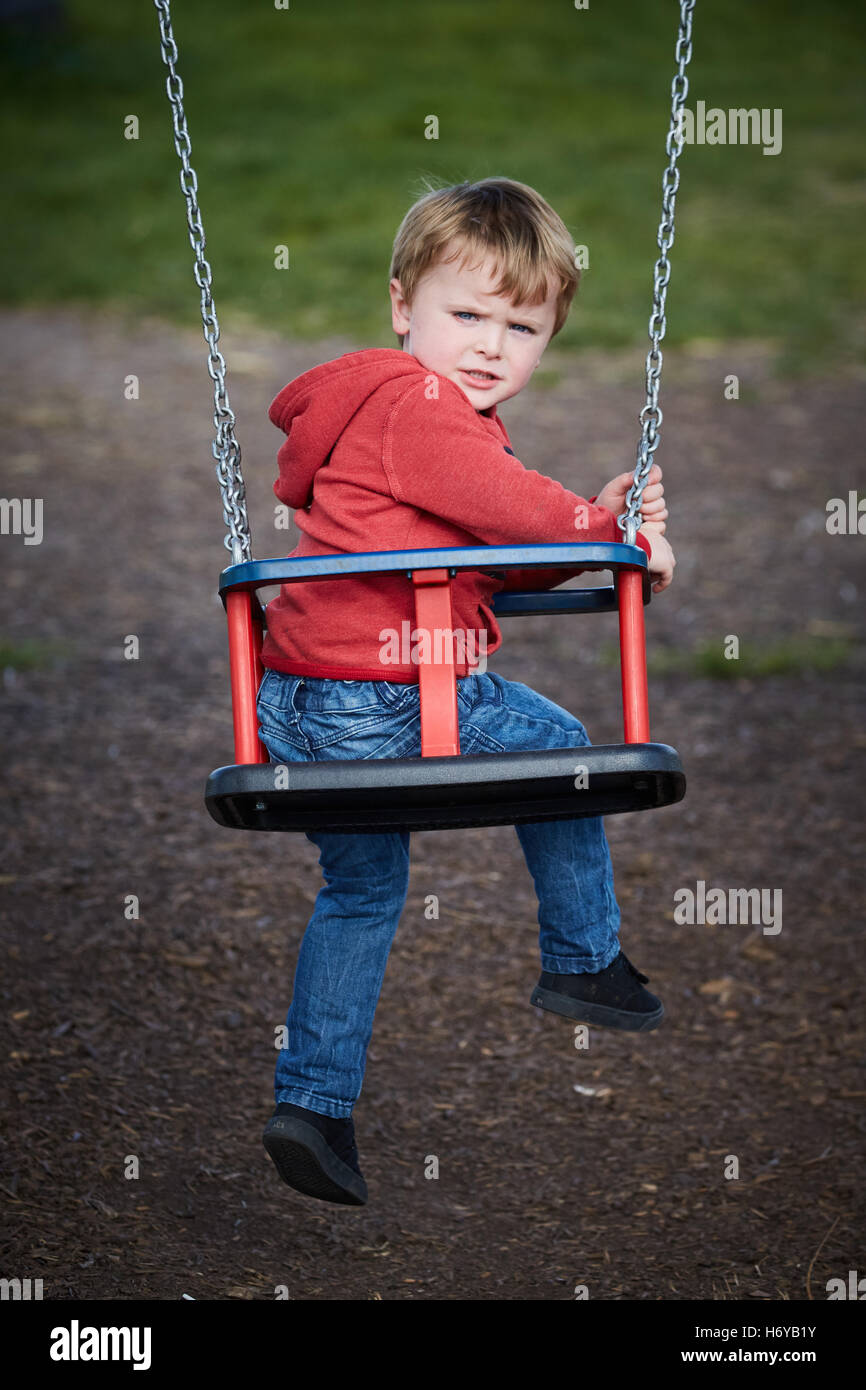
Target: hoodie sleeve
{"x": 437, "y": 456}
{"x": 540, "y": 578}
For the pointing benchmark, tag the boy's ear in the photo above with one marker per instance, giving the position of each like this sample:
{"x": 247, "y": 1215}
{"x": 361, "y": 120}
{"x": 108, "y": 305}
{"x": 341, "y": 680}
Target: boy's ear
{"x": 399, "y": 316}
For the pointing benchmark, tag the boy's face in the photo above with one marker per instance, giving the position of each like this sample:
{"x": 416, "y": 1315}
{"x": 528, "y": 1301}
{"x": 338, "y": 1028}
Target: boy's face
{"x": 457, "y": 325}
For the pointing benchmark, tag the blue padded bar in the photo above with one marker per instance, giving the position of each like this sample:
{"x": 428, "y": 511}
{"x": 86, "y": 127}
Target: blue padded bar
{"x": 255, "y": 574}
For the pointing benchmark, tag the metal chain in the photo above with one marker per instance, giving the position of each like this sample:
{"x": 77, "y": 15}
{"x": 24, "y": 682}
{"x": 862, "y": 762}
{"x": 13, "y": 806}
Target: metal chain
{"x": 225, "y": 447}
{"x": 651, "y": 415}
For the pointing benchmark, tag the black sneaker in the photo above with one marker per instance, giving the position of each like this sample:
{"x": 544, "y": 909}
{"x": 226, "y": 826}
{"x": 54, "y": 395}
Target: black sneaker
{"x": 316, "y": 1154}
{"x": 613, "y": 998}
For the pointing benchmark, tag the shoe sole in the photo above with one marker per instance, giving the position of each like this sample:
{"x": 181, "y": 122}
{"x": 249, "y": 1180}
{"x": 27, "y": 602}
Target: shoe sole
{"x": 306, "y": 1162}
{"x": 601, "y": 1014}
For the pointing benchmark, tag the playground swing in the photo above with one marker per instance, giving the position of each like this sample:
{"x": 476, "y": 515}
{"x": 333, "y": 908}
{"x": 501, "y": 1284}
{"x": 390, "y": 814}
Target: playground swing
{"x": 442, "y": 789}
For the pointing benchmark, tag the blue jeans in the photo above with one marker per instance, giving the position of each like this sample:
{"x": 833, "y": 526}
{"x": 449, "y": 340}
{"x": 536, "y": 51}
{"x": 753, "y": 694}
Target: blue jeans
{"x": 342, "y": 960}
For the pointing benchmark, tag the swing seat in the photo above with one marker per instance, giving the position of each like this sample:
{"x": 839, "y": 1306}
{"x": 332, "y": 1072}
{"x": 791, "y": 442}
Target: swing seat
{"x": 444, "y": 789}
{"x": 446, "y": 793}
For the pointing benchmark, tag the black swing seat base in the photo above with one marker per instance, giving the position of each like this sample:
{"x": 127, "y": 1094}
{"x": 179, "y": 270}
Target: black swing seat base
{"x": 443, "y": 793}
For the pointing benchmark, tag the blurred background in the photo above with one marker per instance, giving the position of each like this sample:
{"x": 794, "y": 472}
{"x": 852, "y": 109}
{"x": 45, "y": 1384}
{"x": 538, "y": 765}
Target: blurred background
{"x": 307, "y": 128}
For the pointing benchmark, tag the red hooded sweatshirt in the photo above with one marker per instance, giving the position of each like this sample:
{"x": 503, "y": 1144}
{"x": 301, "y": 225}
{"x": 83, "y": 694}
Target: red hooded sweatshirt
{"x": 383, "y": 454}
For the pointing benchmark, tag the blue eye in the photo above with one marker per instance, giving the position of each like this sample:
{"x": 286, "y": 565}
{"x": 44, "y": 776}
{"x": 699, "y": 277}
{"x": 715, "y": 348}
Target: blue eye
{"x": 469, "y": 314}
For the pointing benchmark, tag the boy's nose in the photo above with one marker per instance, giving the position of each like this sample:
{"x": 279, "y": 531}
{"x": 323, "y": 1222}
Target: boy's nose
{"x": 491, "y": 342}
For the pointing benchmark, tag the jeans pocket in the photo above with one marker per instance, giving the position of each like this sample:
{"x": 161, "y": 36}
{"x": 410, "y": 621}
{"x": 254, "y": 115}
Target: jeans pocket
{"x": 397, "y": 694}
{"x": 318, "y": 696}
{"x": 467, "y": 693}
{"x": 278, "y": 720}
{"x": 357, "y": 719}
{"x": 275, "y": 693}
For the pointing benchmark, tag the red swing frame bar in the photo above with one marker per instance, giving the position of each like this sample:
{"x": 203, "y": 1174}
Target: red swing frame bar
{"x": 440, "y": 735}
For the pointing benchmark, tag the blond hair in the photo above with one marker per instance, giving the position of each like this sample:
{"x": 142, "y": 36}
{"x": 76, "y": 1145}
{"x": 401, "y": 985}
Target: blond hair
{"x": 498, "y": 217}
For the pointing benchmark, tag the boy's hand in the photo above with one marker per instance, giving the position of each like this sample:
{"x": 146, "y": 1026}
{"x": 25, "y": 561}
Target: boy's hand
{"x": 653, "y": 509}
{"x": 661, "y": 559}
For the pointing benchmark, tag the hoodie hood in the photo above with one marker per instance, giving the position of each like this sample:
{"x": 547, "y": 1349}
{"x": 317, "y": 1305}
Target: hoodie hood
{"x": 314, "y": 410}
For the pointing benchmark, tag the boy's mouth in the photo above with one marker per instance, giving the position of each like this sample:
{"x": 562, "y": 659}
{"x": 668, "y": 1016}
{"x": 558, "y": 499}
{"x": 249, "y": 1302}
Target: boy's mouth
{"x": 479, "y": 378}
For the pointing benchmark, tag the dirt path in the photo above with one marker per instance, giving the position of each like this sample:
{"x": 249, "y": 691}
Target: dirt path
{"x": 154, "y": 1038}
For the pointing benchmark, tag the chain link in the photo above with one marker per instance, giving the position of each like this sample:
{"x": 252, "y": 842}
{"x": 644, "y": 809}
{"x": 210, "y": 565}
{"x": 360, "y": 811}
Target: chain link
{"x": 225, "y": 447}
{"x": 651, "y": 415}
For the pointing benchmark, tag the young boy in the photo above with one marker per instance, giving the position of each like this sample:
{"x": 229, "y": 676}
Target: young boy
{"x": 394, "y": 449}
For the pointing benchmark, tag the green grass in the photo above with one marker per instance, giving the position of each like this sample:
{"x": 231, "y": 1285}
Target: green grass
{"x": 307, "y": 129}
{"x": 792, "y": 654}
{"x": 31, "y": 653}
